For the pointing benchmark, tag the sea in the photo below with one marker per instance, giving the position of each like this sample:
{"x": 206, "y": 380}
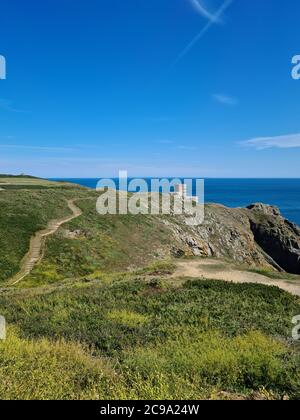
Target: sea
{"x": 283, "y": 193}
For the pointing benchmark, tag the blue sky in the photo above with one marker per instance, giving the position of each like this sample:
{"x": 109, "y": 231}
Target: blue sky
{"x": 160, "y": 88}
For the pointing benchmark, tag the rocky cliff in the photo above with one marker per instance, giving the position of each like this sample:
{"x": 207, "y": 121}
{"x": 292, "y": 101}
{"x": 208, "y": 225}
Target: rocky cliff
{"x": 257, "y": 236}
{"x": 278, "y": 237}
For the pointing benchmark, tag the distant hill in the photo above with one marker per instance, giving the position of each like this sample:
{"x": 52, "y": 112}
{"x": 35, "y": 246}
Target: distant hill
{"x": 18, "y": 176}
{"x": 9, "y": 182}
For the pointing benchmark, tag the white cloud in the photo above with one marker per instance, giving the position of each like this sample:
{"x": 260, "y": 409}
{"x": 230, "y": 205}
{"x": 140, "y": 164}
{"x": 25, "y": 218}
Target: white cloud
{"x": 225, "y": 99}
{"x": 187, "y": 148}
{"x": 279, "y": 142}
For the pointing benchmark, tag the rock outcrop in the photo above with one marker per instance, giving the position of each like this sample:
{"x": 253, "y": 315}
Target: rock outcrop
{"x": 257, "y": 236}
{"x": 278, "y": 237}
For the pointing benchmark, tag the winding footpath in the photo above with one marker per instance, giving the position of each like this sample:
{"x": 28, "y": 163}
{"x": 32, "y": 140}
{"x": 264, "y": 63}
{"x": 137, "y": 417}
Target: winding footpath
{"x": 34, "y": 255}
{"x": 209, "y": 269}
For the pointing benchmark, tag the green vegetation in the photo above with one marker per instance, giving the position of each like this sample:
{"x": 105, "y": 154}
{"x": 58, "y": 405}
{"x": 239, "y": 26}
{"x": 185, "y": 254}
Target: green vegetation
{"x": 275, "y": 274}
{"x": 21, "y": 182}
{"x": 200, "y": 364}
{"x": 110, "y": 243}
{"x": 43, "y": 369}
{"x": 23, "y": 213}
{"x": 161, "y": 341}
{"x": 18, "y": 176}
{"x": 101, "y": 317}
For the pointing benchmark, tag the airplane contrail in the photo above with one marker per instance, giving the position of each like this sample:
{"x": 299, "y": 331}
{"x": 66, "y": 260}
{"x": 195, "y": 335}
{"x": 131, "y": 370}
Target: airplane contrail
{"x": 199, "y": 8}
{"x": 217, "y": 16}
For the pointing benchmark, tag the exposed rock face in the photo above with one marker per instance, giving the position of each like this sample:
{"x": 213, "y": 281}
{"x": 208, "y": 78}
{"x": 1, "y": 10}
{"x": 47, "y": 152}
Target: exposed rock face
{"x": 73, "y": 234}
{"x": 264, "y": 209}
{"x": 278, "y": 237}
{"x": 257, "y": 236}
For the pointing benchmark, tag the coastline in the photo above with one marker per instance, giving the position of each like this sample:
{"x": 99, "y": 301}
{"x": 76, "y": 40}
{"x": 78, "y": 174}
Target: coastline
{"x": 283, "y": 193}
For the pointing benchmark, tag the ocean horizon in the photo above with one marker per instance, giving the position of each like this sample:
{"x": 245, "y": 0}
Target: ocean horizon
{"x": 283, "y": 193}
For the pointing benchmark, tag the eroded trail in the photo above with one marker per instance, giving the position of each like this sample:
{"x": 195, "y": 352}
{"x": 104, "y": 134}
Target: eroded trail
{"x": 218, "y": 270}
{"x": 34, "y": 254}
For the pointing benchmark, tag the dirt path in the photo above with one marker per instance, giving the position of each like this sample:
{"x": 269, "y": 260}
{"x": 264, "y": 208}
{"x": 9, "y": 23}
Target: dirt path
{"x": 34, "y": 254}
{"x": 219, "y": 270}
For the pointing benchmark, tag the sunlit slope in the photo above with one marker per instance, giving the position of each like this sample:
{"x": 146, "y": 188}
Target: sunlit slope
{"x": 23, "y": 212}
{"x": 140, "y": 336}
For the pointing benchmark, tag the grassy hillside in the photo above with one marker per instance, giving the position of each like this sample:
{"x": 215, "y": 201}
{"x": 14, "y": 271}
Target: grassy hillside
{"x": 25, "y": 211}
{"x": 100, "y": 243}
{"x": 100, "y": 317}
{"x": 103, "y": 244}
{"x": 141, "y": 337}
{"x": 15, "y": 177}
{"x": 21, "y": 182}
